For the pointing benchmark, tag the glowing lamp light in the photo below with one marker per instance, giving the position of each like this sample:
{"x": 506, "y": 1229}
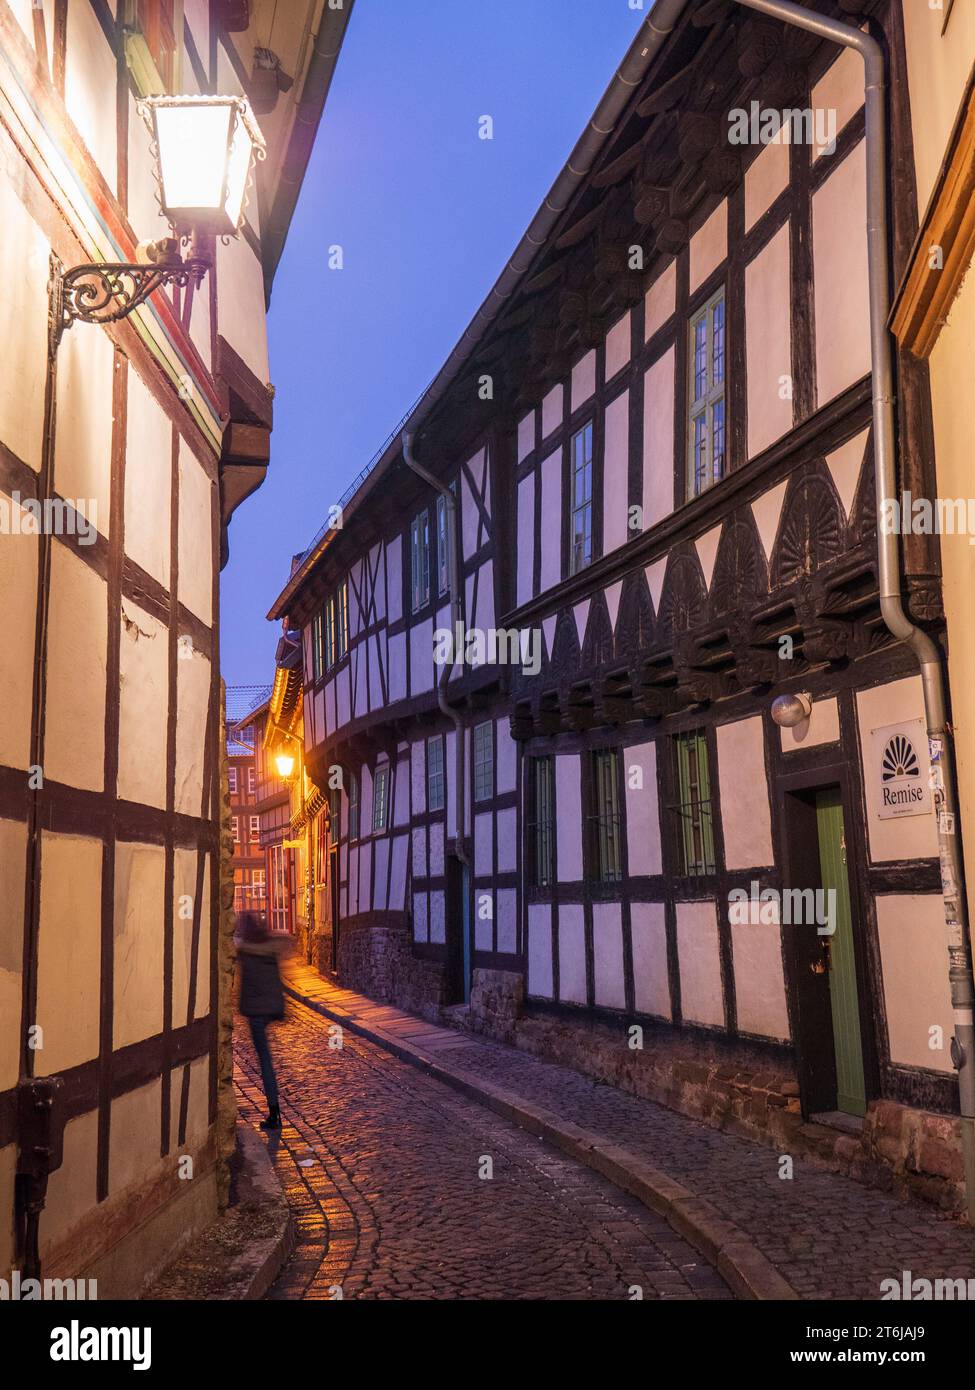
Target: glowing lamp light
{"x": 206, "y": 148}
{"x": 285, "y": 764}
{"x": 788, "y": 711}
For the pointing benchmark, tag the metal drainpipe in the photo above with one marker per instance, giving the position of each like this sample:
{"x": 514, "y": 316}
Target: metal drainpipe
{"x": 456, "y": 622}
{"x": 891, "y": 606}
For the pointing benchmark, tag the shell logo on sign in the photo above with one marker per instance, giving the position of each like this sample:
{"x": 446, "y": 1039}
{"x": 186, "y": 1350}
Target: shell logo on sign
{"x": 901, "y": 788}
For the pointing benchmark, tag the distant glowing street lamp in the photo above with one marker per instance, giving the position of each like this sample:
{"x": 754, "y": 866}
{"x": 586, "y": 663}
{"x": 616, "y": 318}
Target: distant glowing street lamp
{"x": 205, "y": 149}
{"x": 285, "y": 764}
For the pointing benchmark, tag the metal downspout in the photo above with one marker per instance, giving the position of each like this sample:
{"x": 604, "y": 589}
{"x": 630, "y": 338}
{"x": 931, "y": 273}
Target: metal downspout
{"x": 456, "y": 624}
{"x": 891, "y": 606}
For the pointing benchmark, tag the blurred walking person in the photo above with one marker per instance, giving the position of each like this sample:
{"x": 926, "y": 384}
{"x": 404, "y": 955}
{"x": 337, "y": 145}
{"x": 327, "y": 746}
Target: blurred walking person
{"x": 261, "y": 998}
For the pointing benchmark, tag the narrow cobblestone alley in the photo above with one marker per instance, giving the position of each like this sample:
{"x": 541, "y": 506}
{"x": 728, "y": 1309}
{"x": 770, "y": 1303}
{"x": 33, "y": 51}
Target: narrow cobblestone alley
{"x": 382, "y": 1167}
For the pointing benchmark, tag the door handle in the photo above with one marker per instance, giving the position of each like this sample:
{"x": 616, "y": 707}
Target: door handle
{"x": 825, "y": 963}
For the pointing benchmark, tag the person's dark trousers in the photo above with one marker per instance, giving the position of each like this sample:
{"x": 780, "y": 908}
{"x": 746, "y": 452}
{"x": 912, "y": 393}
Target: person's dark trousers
{"x": 262, "y": 1048}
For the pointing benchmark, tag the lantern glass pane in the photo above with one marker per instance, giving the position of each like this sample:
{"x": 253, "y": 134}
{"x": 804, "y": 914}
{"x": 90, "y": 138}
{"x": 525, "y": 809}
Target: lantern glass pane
{"x": 193, "y": 155}
{"x": 241, "y": 151}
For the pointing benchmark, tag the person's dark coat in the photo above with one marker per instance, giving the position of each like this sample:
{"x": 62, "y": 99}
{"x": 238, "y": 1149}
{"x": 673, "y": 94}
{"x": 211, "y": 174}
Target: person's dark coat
{"x": 261, "y": 994}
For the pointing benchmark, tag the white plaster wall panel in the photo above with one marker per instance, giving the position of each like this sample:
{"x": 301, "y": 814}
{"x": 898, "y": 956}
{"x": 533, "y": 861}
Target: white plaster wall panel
{"x": 72, "y": 1190}
{"x": 580, "y": 614}
{"x": 700, "y": 964}
{"x": 376, "y": 567}
{"x": 506, "y": 758}
{"x": 902, "y": 837}
{"x": 421, "y": 917}
{"x": 551, "y": 411}
{"x": 242, "y": 315}
{"x": 197, "y": 495}
{"x": 612, "y": 596}
{"x": 483, "y": 920}
{"x": 90, "y": 79}
{"x": 134, "y": 1136}
{"x": 526, "y": 435}
{"x": 768, "y": 342}
{"x": 401, "y": 800}
{"x": 839, "y": 218}
{"x": 83, "y": 441}
{"x": 197, "y": 15}
{"x": 354, "y": 882}
{"x": 18, "y": 584}
{"x": 421, "y": 657}
{"x": 759, "y": 979}
{"x": 69, "y": 951}
{"x": 914, "y": 961}
{"x": 618, "y": 346}
{"x": 648, "y": 940}
{"x": 24, "y": 255}
{"x": 583, "y": 380}
{"x": 551, "y": 531}
{"x": 767, "y": 511}
{"x": 418, "y": 775}
{"x": 507, "y": 841}
{"x": 140, "y": 873}
{"x": 572, "y": 954}
{"x": 380, "y": 875}
{"x": 143, "y": 707}
{"x": 525, "y": 559}
{"x": 438, "y": 934}
{"x": 355, "y": 583}
{"x": 845, "y": 465}
{"x": 642, "y": 817}
{"x": 192, "y": 703}
{"x": 397, "y": 876}
{"x": 822, "y": 726}
{"x": 184, "y": 892}
{"x": 419, "y": 838}
{"x": 747, "y": 821}
{"x": 197, "y": 1109}
{"x": 839, "y": 93}
{"x": 568, "y": 815}
{"x": 437, "y": 850}
{"x": 656, "y": 573}
{"x": 365, "y": 801}
{"x": 707, "y": 552}
{"x": 709, "y": 245}
{"x": 765, "y": 178}
{"x": 376, "y": 668}
{"x": 472, "y": 526}
{"x": 331, "y": 706}
{"x": 616, "y": 464}
{"x": 507, "y": 920}
{"x": 938, "y": 68}
{"x": 148, "y": 481}
{"x": 360, "y": 700}
{"x": 77, "y": 642}
{"x": 480, "y": 612}
{"x": 609, "y": 987}
{"x": 13, "y": 852}
{"x": 540, "y": 979}
{"x": 342, "y": 700}
{"x": 394, "y": 585}
{"x": 318, "y": 709}
{"x": 397, "y": 667}
{"x": 660, "y": 300}
{"x": 548, "y": 632}
{"x": 484, "y": 844}
{"x": 23, "y": 12}
{"x": 365, "y": 877}
{"x": 658, "y": 440}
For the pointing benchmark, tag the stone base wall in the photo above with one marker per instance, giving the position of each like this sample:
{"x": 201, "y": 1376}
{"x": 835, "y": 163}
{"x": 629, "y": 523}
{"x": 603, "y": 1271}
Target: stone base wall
{"x": 375, "y": 956}
{"x": 899, "y": 1149}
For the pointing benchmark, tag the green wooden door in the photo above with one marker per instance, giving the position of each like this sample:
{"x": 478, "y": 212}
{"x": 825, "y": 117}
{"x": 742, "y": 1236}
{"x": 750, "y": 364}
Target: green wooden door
{"x": 851, "y": 1095}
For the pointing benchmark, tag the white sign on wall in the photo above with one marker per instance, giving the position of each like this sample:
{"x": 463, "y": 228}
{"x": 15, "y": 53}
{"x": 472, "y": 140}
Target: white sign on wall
{"x": 899, "y": 781}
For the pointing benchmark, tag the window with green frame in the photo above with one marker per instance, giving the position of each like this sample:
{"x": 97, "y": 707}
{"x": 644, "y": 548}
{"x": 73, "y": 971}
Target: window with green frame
{"x": 483, "y": 761}
{"x": 329, "y": 642}
{"x": 317, "y": 662}
{"x": 341, "y": 620}
{"x": 606, "y": 814}
{"x": 541, "y": 828}
{"x": 706, "y": 431}
{"x": 692, "y": 783}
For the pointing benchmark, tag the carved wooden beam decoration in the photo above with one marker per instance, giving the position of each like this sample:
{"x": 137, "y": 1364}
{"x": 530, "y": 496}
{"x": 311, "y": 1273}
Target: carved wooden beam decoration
{"x": 759, "y": 46}
{"x": 699, "y": 134}
{"x": 669, "y": 94}
{"x": 652, "y": 204}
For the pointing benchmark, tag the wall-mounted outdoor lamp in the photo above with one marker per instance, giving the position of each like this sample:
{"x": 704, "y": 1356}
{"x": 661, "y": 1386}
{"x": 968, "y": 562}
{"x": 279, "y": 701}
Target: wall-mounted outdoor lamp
{"x": 285, "y": 764}
{"x": 205, "y": 148}
{"x": 790, "y": 710}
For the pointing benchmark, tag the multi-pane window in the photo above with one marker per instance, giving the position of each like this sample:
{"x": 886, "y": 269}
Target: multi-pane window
{"x": 542, "y": 825}
{"x": 335, "y": 813}
{"x": 353, "y": 806}
{"x": 255, "y": 831}
{"x": 235, "y": 823}
{"x": 317, "y": 645}
{"x": 259, "y": 883}
{"x": 706, "y": 432}
{"x": 380, "y": 798}
{"x": 151, "y": 44}
{"x": 580, "y": 534}
{"x": 420, "y": 559}
{"x": 341, "y": 620}
{"x": 606, "y": 816}
{"x": 232, "y": 780}
{"x": 251, "y": 781}
{"x": 483, "y": 761}
{"x": 443, "y": 567}
{"x": 435, "y": 773}
{"x": 692, "y": 781}
{"x": 329, "y": 639}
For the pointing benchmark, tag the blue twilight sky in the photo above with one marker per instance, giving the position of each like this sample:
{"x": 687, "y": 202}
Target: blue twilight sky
{"x": 427, "y": 214}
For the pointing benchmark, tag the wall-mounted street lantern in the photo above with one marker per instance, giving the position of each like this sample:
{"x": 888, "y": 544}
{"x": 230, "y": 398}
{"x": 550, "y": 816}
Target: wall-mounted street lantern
{"x": 285, "y": 764}
{"x": 205, "y": 148}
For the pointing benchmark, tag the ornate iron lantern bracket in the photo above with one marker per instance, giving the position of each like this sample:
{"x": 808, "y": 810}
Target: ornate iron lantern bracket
{"x": 107, "y": 293}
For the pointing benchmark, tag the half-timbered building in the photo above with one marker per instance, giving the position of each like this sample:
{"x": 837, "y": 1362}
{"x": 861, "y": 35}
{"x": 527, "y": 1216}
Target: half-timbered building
{"x": 658, "y": 437}
{"x": 124, "y": 448}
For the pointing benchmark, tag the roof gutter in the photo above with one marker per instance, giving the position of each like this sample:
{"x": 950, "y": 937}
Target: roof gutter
{"x": 651, "y": 37}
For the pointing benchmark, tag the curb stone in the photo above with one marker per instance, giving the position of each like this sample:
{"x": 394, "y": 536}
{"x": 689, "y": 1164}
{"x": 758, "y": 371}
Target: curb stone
{"x": 748, "y": 1272}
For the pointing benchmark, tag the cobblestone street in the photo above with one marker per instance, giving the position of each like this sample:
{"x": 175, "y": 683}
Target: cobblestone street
{"x": 383, "y": 1169}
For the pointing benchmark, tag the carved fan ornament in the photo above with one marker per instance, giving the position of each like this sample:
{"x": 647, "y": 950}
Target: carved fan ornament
{"x": 739, "y": 573}
{"x": 684, "y": 597}
{"x": 811, "y": 532}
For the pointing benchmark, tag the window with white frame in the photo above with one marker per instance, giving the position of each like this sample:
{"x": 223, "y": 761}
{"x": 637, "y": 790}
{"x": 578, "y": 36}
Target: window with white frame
{"x": 483, "y": 761}
{"x": 235, "y": 824}
{"x": 435, "y": 773}
{"x": 580, "y": 497}
{"x": 251, "y": 781}
{"x": 258, "y": 884}
{"x": 706, "y": 431}
{"x": 232, "y": 780}
{"x": 317, "y": 645}
{"x": 420, "y": 560}
{"x": 329, "y": 635}
{"x": 255, "y": 828}
{"x": 341, "y": 620}
{"x": 443, "y": 570}
{"x": 380, "y": 799}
